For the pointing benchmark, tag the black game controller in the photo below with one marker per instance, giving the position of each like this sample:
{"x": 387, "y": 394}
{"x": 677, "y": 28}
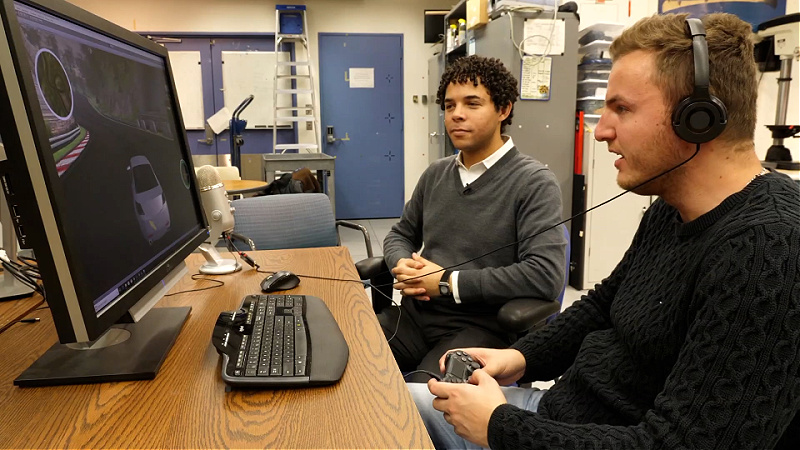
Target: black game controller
{"x": 458, "y": 367}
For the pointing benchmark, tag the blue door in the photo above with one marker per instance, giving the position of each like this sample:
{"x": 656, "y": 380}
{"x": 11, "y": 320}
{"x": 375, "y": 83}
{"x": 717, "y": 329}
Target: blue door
{"x": 365, "y": 108}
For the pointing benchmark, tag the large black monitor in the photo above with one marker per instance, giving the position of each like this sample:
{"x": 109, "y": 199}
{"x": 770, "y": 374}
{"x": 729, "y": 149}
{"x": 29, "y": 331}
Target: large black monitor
{"x": 99, "y": 180}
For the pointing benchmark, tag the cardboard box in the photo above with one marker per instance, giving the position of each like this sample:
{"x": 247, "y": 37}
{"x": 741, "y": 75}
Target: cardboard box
{"x": 477, "y": 13}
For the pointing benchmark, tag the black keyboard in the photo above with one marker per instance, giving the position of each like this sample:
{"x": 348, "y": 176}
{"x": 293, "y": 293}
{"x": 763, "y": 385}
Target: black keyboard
{"x": 280, "y": 341}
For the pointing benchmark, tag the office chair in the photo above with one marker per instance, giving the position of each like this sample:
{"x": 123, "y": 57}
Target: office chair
{"x": 519, "y": 315}
{"x": 274, "y": 222}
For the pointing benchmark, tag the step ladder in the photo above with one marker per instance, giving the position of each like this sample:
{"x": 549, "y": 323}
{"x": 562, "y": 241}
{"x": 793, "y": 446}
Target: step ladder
{"x": 291, "y": 26}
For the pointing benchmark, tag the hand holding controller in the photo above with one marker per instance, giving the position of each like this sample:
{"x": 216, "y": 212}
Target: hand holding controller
{"x": 459, "y": 366}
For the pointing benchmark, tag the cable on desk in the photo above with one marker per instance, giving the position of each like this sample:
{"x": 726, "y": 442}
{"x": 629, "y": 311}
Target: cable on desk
{"x": 231, "y": 247}
{"x": 366, "y": 284}
{"x": 26, "y": 273}
{"x": 199, "y": 277}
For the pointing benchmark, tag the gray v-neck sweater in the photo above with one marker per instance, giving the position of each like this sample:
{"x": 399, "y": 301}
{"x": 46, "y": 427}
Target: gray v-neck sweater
{"x": 514, "y": 199}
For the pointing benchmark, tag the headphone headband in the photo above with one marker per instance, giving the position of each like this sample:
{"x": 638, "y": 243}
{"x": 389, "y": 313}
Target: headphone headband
{"x": 700, "y": 50}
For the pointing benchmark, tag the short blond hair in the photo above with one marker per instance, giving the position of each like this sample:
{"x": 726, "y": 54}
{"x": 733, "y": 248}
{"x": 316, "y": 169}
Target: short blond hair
{"x": 732, "y": 67}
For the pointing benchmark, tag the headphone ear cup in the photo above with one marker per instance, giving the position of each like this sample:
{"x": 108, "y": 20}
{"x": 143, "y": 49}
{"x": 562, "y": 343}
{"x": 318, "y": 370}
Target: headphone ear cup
{"x": 699, "y": 120}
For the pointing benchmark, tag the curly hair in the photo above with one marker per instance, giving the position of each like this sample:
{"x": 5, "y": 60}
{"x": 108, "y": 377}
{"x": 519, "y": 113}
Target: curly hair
{"x": 490, "y": 72}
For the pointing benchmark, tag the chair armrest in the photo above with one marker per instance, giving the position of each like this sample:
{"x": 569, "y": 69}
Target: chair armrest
{"x": 522, "y": 314}
{"x": 380, "y": 278}
{"x": 362, "y": 229}
{"x": 370, "y": 267}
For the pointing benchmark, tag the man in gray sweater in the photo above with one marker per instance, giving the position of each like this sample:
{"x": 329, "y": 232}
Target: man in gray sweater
{"x": 463, "y": 207}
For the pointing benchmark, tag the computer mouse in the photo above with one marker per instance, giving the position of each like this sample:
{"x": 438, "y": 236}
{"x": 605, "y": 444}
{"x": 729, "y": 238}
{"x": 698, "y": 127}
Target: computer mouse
{"x": 280, "y": 281}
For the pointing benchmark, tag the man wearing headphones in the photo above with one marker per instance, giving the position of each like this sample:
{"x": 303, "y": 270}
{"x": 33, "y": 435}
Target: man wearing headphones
{"x": 693, "y": 341}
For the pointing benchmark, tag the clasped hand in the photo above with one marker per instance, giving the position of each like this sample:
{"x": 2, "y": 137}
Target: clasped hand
{"x": 407, "y": 271}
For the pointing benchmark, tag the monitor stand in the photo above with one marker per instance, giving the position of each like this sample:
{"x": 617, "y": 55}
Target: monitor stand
{"x": 12, "y": 289}
{"x": 125, "y": 352}
{"x": 112, "y": 357}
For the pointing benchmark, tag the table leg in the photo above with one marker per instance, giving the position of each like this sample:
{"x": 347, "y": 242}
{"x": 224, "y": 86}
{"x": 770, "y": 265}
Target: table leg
{"x": 332, "y": 193}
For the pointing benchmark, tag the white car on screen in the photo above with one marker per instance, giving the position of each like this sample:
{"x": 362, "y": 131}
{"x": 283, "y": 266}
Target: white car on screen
{"x": 149, "y": 201}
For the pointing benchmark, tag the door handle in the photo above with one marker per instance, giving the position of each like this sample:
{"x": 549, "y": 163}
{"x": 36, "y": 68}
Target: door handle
{"x": 433, "y": 136}
{"x": 330, "y": 138}
{"x": 209, "y": 139}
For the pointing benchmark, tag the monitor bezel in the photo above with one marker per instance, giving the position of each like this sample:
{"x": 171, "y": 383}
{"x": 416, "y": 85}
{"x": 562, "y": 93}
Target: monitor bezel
{"x": 27, "y": 150}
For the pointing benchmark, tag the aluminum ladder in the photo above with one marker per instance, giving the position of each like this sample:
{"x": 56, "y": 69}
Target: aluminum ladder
{"x": 291, "y": 26}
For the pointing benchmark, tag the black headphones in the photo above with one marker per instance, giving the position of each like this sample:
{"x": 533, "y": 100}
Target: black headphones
{"x": 700, "y": 117}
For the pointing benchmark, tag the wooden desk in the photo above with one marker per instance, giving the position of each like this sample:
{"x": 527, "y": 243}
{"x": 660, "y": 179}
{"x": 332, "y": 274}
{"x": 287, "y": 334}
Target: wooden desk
{"x": 12, "y": 311}
{"x": 186, "y": 406}
{"x": 234, "y": 187}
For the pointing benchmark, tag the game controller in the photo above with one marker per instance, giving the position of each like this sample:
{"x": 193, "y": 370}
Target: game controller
{"x": 459, "y": 367}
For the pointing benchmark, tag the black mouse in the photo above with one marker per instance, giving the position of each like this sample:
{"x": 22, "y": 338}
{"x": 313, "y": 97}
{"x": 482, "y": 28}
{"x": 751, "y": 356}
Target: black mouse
{"x": 280, "y": 281}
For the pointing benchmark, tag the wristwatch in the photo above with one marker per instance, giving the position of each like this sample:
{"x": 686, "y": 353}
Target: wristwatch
{"x": 444, "y": 284}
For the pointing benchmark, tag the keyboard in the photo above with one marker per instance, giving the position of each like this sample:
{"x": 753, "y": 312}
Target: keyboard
{"x": 276, "y": 341}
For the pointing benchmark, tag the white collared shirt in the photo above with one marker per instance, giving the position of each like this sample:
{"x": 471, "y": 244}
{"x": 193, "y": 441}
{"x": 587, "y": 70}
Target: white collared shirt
{"x": 473, "y": 173}
{"x": 469, "y": 176}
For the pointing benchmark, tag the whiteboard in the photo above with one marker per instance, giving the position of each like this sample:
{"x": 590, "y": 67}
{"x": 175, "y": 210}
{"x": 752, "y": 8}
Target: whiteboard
{"x": 246, "y": 73}
{"x": 188, "y": 76}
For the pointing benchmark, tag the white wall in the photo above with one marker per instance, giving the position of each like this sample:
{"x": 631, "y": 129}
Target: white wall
{"x": 357, "y": 16}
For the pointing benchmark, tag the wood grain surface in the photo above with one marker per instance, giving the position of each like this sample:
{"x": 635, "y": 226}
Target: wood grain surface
{"x": 186, "y": 405}
{"x": 13, "y": 310}
{"x": 243, "y": 186}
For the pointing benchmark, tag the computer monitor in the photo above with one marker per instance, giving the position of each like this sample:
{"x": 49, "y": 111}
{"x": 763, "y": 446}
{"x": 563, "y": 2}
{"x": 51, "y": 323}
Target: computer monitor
{"x": 100, "y": 184}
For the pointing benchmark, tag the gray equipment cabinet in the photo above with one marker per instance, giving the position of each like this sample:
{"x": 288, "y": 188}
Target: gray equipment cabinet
{"x": 542, "y": 129}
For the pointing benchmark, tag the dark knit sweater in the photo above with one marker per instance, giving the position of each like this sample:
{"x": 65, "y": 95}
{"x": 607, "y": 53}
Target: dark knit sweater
{"x": 692, "y": 342}
{"x": 515, "y": 198}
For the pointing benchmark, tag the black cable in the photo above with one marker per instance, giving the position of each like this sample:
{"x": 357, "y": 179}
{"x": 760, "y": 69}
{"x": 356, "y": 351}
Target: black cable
{"x": 697, "y": 150}
{"x": 19, "y": 272}
{"x": 229, "y": 243}
{"x": 28, "y": 261}
{"x": 426, "y": 372}
{"x": 400, "y": 310}
{"x": 197, "y": 277}
{"x": 366, "y": 284}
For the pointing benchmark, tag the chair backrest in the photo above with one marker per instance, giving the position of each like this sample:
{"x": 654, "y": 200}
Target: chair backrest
{"x": 286, "y": 221}
{"x": 566, "y": 272}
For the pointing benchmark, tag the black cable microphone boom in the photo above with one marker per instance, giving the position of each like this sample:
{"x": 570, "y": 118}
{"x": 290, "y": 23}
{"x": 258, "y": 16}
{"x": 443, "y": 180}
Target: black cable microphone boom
{"x": 697, "y": 150}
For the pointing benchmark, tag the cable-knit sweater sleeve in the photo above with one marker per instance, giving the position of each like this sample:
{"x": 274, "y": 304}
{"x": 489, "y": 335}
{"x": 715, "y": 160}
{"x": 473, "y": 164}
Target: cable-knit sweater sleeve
{"x": 550, "y": 350}
{"x": 735, "y": 382}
